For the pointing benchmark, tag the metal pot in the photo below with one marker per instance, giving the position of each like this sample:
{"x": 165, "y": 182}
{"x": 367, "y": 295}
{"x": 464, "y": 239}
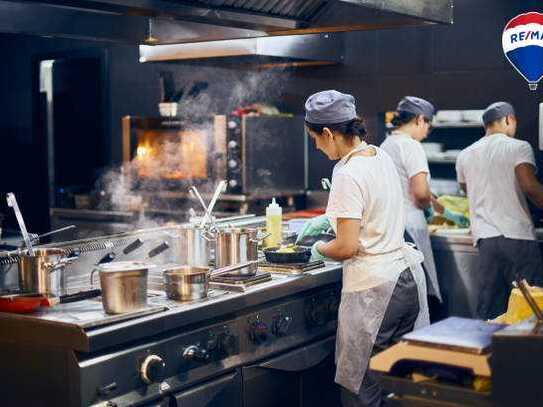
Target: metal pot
{"x": 193, "y": 246}
{"x": 41, "y": 273}
{"x": 124, "y": 285}
{"x": 186, "y": 283}
{"x": 237, "y": 245}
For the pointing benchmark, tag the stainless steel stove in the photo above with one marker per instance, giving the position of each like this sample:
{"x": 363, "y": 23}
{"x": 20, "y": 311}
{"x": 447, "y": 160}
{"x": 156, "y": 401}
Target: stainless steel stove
{"x": 270, "y": 345}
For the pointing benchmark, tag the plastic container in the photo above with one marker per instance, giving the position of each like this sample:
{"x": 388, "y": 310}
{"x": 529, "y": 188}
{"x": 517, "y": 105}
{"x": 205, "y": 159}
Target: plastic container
{"x": 274, "y": 224}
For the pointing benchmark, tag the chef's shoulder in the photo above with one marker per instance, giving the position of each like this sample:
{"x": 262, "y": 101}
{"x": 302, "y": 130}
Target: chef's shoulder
{"x": 520, "y": 151}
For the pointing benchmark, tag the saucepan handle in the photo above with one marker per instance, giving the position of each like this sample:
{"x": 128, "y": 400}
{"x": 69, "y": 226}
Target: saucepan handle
{"x": 229, "y": 269}
{"x": 260, "y": 238}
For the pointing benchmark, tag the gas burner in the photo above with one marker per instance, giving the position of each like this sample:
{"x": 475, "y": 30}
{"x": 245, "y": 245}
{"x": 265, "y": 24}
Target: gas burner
{"x": 239, "y": 282}
{"x": 292, "y": 268}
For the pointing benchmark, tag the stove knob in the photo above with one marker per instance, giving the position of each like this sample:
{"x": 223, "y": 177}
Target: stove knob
{"x": 281, "y": 325}
{"x": 232, "y": 164}
{"x": 233, "y": 183}
{"x": 227, "y": 343}
{"x": 152, "y": 369}
{"x": 258, "y": 331}
{"x": 196, "y": 353}
{"x": 232, "y": 144}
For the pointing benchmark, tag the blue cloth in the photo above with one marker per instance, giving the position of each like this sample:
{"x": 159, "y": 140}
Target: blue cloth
{"x": 330, "y": 107}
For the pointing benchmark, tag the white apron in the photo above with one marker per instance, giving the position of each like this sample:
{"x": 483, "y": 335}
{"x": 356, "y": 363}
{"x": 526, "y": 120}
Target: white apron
{"x": 417, "y": 227}
{"x": 368, "y": 283}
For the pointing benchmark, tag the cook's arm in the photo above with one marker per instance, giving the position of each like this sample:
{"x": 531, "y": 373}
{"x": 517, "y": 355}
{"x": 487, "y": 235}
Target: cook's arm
{"x": 529, "y": 184}
{"x": 419, "y": 188}
{"x": 345, "y": 245}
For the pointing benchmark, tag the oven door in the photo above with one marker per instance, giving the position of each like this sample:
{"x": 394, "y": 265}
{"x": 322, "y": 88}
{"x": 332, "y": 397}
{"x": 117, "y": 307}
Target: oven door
{"x": 222, "y": 392}
{"x": 302, "y": 377}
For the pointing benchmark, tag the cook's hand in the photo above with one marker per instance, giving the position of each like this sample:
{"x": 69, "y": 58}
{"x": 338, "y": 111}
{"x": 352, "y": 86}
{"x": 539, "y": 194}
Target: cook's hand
{"x": 314, "y": 227}
{"x": 437, "y": 206}
{"x": 316, "y": 255}
{"x": 429, "y": 213}
{"x": 457, "y": 218}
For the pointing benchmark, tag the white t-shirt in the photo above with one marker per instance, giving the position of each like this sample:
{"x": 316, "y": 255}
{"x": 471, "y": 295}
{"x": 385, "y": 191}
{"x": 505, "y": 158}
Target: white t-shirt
{"x": 368, "y": 188}
{"x": 497, "y": 204}
{"x": 410, "y": 159}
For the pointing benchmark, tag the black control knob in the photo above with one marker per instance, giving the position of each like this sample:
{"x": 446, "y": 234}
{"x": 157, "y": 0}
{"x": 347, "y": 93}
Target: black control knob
{"x": 316, "y": 312}
{"x": 227, "y": 343}
{"x": 153, "y": 369}
{"x": 281, "y": 324}
{"x": 196, "y": 353}
{"x": 258, "y": 331}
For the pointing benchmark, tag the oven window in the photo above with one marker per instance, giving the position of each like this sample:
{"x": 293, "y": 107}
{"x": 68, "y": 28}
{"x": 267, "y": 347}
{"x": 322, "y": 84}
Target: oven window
{"x": 172, "y": 154}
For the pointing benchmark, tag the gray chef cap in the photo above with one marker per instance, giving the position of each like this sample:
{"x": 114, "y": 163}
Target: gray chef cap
{"x": 496, "y": 111}
{"x": 415, "y": 105}
{"x": 330, "y": 107}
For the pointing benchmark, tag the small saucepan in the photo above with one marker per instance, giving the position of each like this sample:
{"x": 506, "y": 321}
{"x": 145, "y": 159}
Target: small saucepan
{"x": 296, "y": 254}
{"x": 188, "y": 283}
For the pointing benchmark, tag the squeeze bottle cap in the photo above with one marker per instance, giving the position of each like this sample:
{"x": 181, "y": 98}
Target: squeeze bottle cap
{"x": 273, "y": 208}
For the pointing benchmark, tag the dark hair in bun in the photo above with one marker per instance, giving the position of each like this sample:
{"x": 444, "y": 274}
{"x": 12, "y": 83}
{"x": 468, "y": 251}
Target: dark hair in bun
{"x": 401, "y": 118}
{"x": 349, "y": 129}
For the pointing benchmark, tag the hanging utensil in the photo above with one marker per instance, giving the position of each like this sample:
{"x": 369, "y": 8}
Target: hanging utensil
{"x": 193, "y": 191}
{"x": 37, "y": 238}
{"x": 220, "y": 187}
{"x": 12, "y": 202}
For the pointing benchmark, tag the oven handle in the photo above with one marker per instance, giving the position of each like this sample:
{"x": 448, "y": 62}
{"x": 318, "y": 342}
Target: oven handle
{"x": 302, "y": 358}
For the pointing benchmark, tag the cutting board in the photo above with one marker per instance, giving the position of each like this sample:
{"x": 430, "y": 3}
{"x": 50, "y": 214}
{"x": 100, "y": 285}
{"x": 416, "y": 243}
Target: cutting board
{"x": 454, "y": 333}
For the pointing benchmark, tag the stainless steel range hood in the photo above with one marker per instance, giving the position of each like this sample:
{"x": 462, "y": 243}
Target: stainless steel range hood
{"x": 284, "y": 51}
{"x": 184, "y": 21}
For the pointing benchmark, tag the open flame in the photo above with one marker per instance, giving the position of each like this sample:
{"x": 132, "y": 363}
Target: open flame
{"x": 172, "y": 155}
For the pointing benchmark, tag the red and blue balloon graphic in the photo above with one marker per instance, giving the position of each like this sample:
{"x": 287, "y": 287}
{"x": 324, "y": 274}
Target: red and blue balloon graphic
{"x": 522, "y": 42}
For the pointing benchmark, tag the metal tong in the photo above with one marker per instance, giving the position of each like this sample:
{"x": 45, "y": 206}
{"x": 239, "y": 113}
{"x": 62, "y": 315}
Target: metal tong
{"x": 220, "y": 187}
{"x": 12, "y": 202}
{"x": 522, "y": 285}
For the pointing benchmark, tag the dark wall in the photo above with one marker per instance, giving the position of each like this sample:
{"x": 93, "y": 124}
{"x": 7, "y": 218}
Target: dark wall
{"x": 457, "y": 67}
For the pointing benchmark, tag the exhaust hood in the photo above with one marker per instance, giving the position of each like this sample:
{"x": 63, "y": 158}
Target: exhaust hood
{"x": 155, "y": 22}
{"x": 284, "y": 51}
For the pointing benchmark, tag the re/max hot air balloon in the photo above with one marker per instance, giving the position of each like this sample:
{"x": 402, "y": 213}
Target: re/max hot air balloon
{"x": 522, "y": 42}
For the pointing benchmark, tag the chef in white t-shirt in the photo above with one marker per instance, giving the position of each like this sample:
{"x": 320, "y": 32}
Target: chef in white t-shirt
{"x": 383, "y": 287}
{"x": 498, "y": 172}
{"x": 412, "y": 125}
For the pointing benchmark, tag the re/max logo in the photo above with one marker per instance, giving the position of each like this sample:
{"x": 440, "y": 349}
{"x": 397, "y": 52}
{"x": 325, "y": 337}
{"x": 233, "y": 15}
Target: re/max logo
{"x": 527, "y": 35}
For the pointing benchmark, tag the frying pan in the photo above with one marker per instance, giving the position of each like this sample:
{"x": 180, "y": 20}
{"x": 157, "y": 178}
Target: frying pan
{"x": 300, "y": 255}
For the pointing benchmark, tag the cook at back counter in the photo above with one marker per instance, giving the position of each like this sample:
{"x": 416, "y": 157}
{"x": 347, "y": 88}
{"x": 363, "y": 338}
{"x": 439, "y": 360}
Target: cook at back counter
{"x": 497, "y": 172}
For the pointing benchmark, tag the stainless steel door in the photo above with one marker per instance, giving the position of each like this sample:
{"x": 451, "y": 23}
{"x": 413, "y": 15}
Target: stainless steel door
{"x": 222, "y": 392}
{"x": 300, "y": 378}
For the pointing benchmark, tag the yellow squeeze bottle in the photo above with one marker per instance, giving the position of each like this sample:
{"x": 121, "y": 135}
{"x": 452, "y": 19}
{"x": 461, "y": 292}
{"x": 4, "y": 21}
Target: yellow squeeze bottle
{"x": 274, "y": 224}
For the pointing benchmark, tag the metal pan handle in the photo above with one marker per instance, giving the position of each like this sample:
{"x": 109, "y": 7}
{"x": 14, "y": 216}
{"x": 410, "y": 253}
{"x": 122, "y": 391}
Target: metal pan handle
{"x": 229, "y": 269}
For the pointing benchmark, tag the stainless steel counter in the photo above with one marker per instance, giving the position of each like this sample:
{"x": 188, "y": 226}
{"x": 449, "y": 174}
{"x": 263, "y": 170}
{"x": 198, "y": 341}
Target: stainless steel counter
{"x": 457, "y": 263}
{"x": 67, "y": 326}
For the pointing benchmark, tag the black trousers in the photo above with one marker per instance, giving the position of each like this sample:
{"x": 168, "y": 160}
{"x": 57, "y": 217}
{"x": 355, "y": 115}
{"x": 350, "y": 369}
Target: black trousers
{"x": 399, "y": 319}
{"x": 501, "y": 261}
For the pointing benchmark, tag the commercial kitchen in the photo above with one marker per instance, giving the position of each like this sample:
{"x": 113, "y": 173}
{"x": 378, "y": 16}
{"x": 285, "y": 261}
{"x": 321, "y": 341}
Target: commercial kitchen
{"x": 170, "y": 190}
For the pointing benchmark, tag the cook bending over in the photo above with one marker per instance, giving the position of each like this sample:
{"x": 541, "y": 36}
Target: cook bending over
{"x": 384, "y": 289}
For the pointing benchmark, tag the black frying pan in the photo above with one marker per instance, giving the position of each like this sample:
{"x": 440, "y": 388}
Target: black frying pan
{"x": 300, "y": 255}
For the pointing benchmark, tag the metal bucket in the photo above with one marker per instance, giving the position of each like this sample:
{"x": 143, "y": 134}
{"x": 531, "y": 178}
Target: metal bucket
{"x": 193, "y": 247}
{"x": 42, "y": 272}
{"x": 124, "y": 286}
{"x": 235, "y": 246}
